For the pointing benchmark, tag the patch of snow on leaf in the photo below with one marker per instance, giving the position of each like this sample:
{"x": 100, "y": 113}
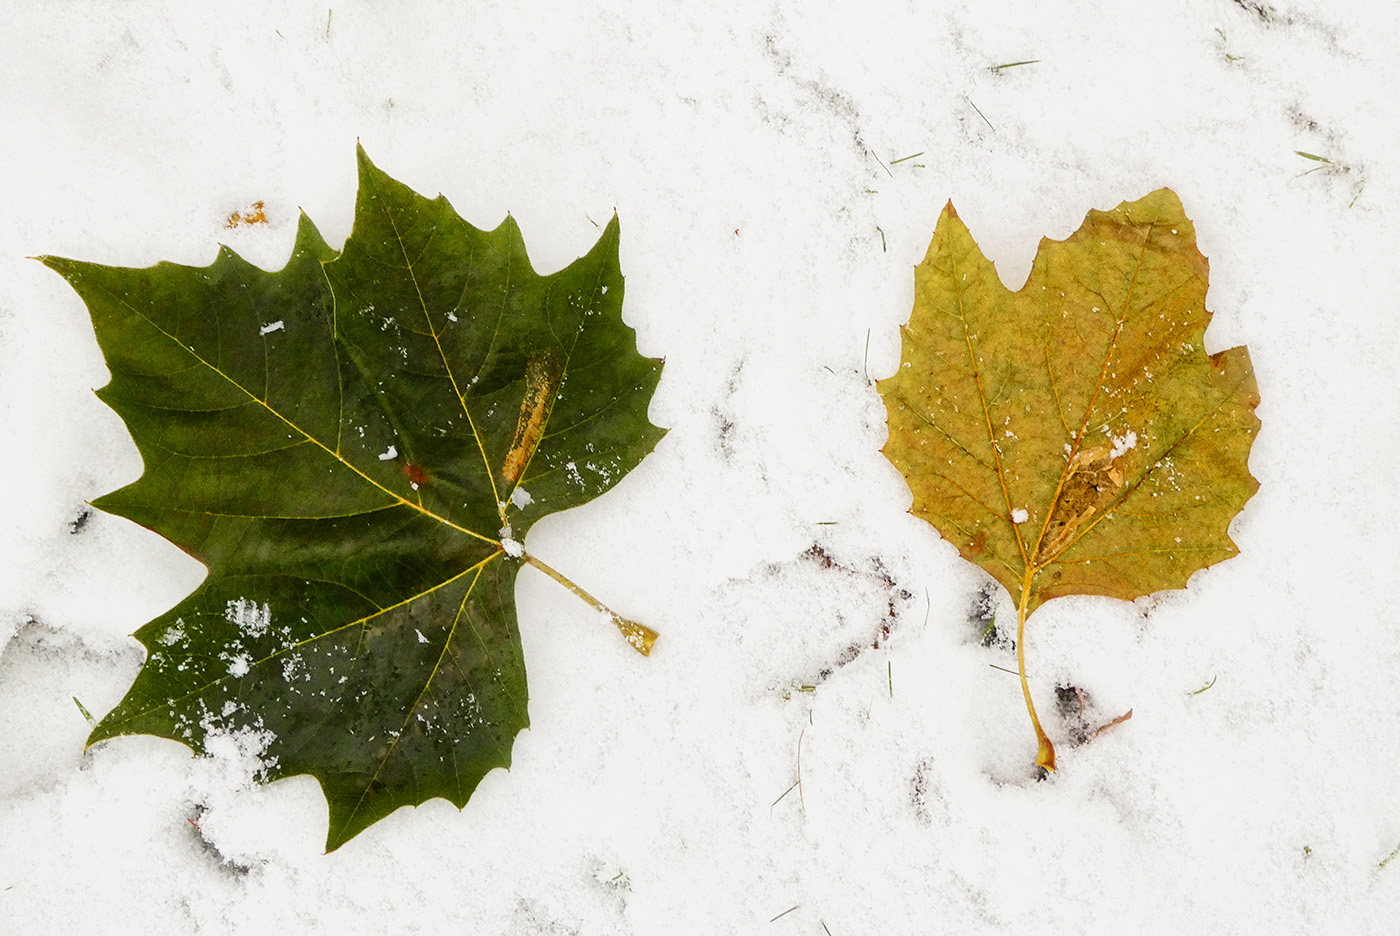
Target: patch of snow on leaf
{"x": 1122, "y": 445}
{"x": 421, "y": 638}
{"x": 243, "y": 748}
{"x": 238, "y": 666}
{"x": 390, "y": 455}
{"x": 270, "y": 327}
{"x": 291, "y": 666}
{"x": 1019, "y": 515}
{"x": 248, "y": 616}
{"x": 521, "y": 498}
{"x": 512, "y": 548}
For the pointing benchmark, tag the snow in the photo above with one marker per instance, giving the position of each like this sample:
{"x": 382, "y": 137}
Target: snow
{"x": 271, "y": 327}
{"x": 248, "y": 616}
{"x": 1122, "y": 444}
{"x": 768, "y": 238}
{"x": 1020, "y": 515}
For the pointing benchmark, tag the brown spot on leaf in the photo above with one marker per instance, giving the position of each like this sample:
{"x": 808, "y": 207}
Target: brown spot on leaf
{"x": 978, "y": 544}
{"x": 415, "y": 473}
{"x": 542, "y": 375}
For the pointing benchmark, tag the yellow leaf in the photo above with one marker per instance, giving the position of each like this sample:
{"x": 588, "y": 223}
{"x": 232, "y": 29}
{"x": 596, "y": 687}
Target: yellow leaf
{"x": 1074, "y": 437}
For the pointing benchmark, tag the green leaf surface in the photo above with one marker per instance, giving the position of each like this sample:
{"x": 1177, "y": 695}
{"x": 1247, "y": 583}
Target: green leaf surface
{"x": 355, "y": 446}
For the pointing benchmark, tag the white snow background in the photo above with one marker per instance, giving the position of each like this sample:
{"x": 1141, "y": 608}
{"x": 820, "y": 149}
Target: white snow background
{"x": 768, "y": 240}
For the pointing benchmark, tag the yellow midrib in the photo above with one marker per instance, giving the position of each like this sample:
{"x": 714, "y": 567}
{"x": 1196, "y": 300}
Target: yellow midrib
{"x": 446, "y": 366}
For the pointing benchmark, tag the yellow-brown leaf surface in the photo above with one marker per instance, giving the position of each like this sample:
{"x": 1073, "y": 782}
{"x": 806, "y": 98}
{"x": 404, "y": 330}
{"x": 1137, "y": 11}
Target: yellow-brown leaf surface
{"x": 1074, "y": 437}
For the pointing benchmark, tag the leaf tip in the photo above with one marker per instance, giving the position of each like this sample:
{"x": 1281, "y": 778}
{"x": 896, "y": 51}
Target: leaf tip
{"x": 60, "y": 265}
{"x": 612, "y": 232}
{"x": 364, "y": 165}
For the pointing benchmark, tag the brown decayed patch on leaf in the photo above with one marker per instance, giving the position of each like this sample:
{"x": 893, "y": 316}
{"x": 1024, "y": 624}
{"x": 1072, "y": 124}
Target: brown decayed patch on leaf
{"x": 542, "y": 375}
{"x": 1094, "y": 477}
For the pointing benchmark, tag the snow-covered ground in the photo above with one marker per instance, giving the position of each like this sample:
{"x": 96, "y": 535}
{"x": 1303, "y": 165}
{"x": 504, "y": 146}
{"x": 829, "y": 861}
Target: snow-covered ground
{"x": 768, "y": 239}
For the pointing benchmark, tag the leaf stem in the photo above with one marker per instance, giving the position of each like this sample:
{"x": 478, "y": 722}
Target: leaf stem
{"x": 1045, "y": 755}
{"x": 639, "y": 636}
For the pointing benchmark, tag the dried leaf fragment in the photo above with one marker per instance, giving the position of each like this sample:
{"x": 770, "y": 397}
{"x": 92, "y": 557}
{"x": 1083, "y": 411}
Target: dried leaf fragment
{"x": 254, "y": 215}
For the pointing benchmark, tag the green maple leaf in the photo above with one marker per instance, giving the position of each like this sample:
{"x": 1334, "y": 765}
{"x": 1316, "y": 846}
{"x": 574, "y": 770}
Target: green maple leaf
{"x": 1074, "y": 437}
{"x": 355, "y": 446}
